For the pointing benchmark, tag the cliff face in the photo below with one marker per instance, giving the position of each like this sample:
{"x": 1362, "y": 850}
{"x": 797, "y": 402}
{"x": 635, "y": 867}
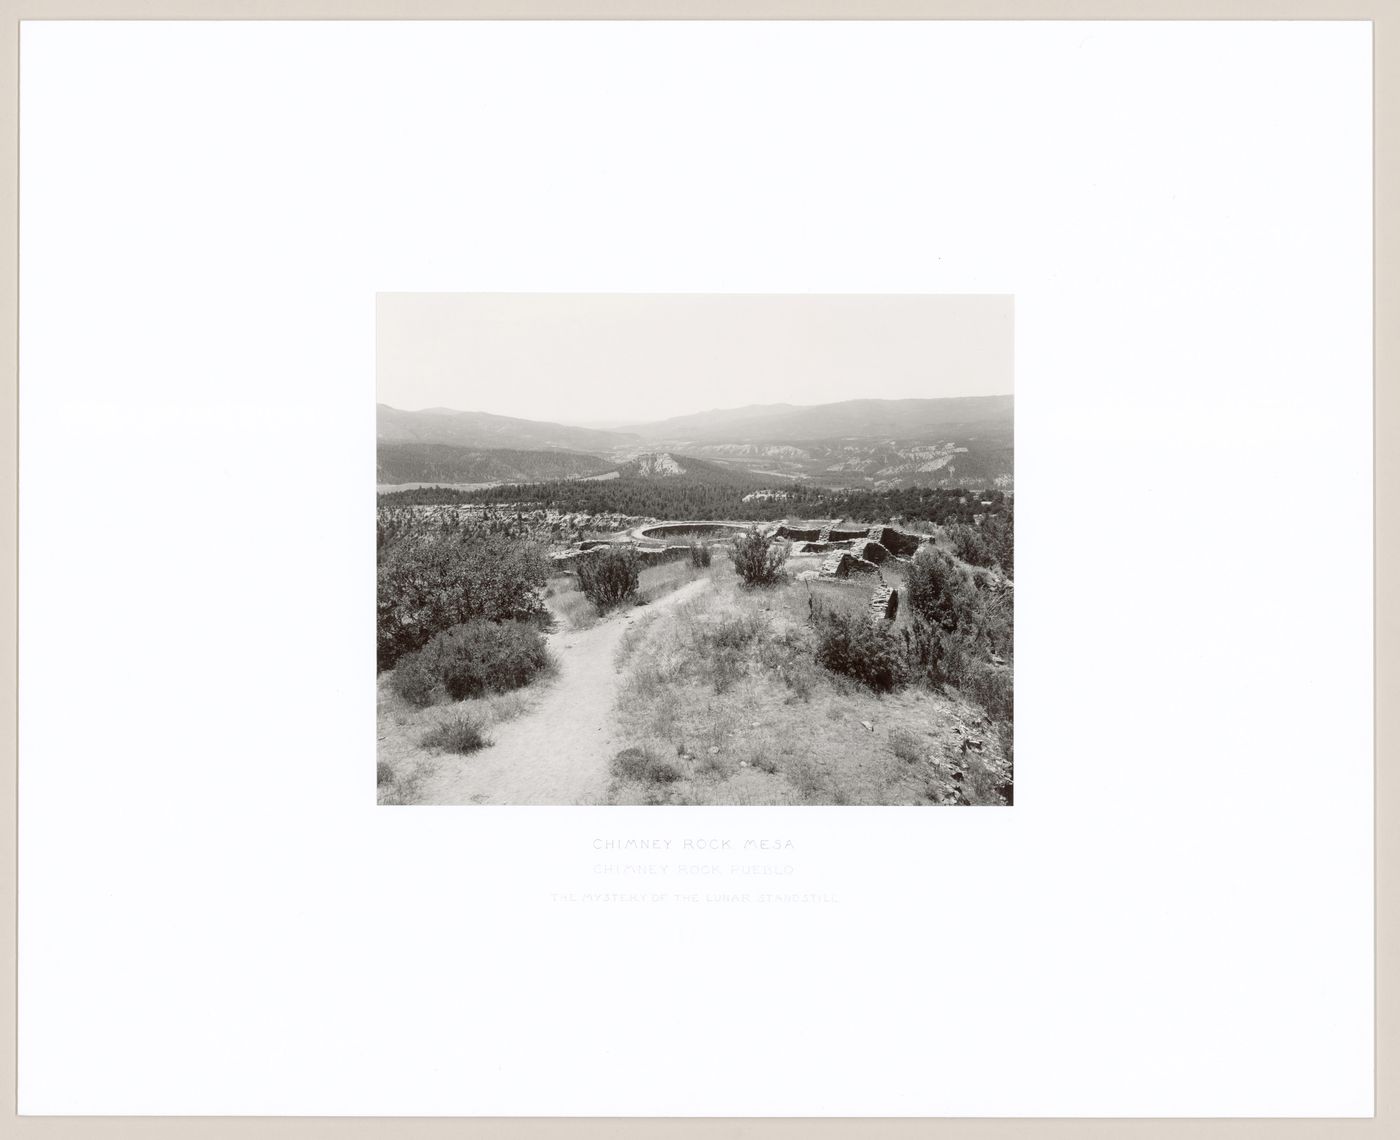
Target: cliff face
{"x": 653, "y": 463}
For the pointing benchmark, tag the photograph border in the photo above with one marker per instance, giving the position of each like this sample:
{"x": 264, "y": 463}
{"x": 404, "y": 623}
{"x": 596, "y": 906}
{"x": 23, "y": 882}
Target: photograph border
{"x": 1385, "y": 19}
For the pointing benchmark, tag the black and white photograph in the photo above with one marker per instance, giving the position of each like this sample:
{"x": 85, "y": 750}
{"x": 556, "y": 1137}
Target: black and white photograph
{"x": 699, "y": 366}
{"x": 695, "y": 549}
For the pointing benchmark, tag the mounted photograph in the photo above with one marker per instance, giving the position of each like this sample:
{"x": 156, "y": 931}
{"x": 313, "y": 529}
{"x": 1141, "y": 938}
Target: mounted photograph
{"x": 709, "y": 549}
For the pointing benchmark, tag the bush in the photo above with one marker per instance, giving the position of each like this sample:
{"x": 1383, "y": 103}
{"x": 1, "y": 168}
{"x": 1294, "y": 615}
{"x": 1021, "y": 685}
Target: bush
{"x": 853, "y": 645}
{"x": 1000, "y": 534}
{"x": 645, "y": 767}
{"x": 993, "y": 544}
{"x": 971, "y": 546}
{"x": 610, "y": 578}
{"x": 905, "y": 745}
{"x": 943, "y": 657}
{"x": 700, "y": 555}
{"x": 726, "y": 667}
{"x": 759, "y": 559}
{"x": 462, "y": 735}
{"x": 939, "y": 590}
{"x": 933, "y": 654}
{"x": 471, "y": 659}
{"x": 733, "y": 631}
{"x": 991, "y": 687}
{"x": 429, "y": 582}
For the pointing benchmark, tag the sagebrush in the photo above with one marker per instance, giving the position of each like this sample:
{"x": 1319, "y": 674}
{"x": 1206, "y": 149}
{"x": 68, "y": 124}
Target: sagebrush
{"x": 759, "y": 558}
{"x": 470, "y": 660}
{"x": 462, "y": 734}
{"x": 609, "y": 579}
{"x": 854, "y": 646}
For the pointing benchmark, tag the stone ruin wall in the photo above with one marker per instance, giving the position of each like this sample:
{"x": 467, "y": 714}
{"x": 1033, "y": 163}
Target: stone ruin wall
{"x": 848, "y": 552}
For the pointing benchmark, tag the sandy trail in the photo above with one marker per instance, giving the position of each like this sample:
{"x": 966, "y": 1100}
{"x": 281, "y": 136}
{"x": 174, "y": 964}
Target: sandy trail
{"x": 558, "y": 753}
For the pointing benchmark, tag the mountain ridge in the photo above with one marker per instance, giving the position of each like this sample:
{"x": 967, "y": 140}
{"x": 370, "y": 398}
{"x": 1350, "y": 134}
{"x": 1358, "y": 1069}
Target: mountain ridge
{"x": 864, "y": 442}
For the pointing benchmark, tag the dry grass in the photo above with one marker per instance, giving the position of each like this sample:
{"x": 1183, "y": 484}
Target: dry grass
{"x": 724, "y": 688}
{"x": 658, "y": 581}
{"x": 399, "y": 787}
{"x": 462, "y": 735}
{"x": 408, "y": 751}
{"x": 576, "y": 612}
{"x": 569, "y": 604}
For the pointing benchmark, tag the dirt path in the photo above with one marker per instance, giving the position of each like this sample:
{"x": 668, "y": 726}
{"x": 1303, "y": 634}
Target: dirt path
{"x": 559, "y": 752}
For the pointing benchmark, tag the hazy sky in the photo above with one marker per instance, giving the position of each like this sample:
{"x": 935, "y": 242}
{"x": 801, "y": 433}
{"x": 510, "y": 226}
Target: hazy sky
{"x": 583, "y": 357}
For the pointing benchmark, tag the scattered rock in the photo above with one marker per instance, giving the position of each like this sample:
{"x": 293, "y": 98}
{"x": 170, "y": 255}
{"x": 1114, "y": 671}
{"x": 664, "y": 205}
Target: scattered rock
{"x": 867, "y": 724}
{"x": 714, "y": 751}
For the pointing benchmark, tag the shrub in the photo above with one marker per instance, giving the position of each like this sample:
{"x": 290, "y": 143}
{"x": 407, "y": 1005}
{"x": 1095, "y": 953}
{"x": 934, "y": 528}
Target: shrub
{"x": 461, "y": 735}
{"x": 758, "y": 558}
{"x": 760, "y": 761}
{"x": 700, "y": 555}
{"x": 610, "y": 578}
{"x": 736, "y": 631}
{"x": 905, "y": 745}
{"x": 644, "y": 766}
{"x": 942, "y": 657}
{"x": 719, "y": 766}
{"x": 797, "y": 676}
{"x": 431, "y": 581}
{"x": 1000, "y": 535}
{"x": 725, "y": 668}
{"x": 471, "y": 659}
{"x": 970, "y": 545}
{"x": 991, "y": 619}
{"x": 384, "y": 773}
{"x": 939, "y": 590}
{"x": 856, "y": 647}
{"x": 991, "y": 687}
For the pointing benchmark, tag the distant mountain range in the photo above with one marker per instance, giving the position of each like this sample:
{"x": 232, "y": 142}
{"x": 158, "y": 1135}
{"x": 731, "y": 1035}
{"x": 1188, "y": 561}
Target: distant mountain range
{"x": 961, "y": 441}
{"x": 850, "y": 418}
{"x": 413, "y": 462}
{"x": 483, "y": 430}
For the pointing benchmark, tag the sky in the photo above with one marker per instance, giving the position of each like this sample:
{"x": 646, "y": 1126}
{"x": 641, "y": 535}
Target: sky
{"x": 596, "y": 358}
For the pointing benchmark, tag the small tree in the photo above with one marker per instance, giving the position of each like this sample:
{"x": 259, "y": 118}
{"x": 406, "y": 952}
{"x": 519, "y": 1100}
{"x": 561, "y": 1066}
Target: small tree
{"x": 699, "y": 554}
{"x": 610, "y": 578}
{"x": 758, "y": 558}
